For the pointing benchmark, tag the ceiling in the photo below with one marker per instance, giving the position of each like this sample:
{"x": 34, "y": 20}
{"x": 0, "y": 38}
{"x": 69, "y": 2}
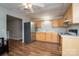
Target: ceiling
{"x": 51, "y": 9}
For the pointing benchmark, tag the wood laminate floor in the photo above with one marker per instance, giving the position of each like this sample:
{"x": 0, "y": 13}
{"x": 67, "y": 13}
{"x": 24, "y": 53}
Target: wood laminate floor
{"x": 36, "y": 48}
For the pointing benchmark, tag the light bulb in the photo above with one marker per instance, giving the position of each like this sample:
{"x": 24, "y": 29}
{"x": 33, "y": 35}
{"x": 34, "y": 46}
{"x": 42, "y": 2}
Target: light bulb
{"x": 29, "y": 5}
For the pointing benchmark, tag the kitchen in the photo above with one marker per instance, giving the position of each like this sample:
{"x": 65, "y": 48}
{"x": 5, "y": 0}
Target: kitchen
{"x": 64, "y": 30}
{"x": 56, "y": 32}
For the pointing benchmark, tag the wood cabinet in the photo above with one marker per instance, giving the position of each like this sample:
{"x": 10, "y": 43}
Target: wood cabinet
{"x": 70, "y": 45}
{"x": 43, "y": 38}
{"x": 33, "y": 36}
{"x": 40, "y": 36}
{"x": 75, "y": 12}
{"x": 47, "y": 37}
{"x": 72, "y": 14}
{"x": 38, "y": 24}
{"x": 68, "y": 17}
{"x": 55, "y": 37}
{"x": 58, "y": 22}
{"x": 55, "y": 23}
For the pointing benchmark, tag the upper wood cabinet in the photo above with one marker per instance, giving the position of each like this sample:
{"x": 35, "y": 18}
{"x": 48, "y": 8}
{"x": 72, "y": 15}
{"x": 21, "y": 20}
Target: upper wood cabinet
{"x": 68, "y": 17}
{"x": 38, "y": 24}
{"x": 58, "y": 22}
{"x": 55, "y": 23}
{"x": 75, "y": 12}
{"x": 72, "y": 13}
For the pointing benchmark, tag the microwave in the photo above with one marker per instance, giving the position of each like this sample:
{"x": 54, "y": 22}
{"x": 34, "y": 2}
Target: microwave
{"x": 73, "y": 31}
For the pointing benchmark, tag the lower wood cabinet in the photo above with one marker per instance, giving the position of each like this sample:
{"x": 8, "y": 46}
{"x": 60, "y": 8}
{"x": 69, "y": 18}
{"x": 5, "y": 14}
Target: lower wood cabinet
{"x": 55, "y": 37}
{"x": 43, "y": 36}
{"x": 40, "y": 36}
{"x": 33, "y": 36}
{"x": 47, "y": 37}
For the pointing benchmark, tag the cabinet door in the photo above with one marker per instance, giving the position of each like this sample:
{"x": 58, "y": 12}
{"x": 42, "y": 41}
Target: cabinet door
{"x": 38, "y": 24}
{"x": 48, "y": 37}
{"x": 75, "y": 12}
{"x": 55, "y": 37}
{"x": 42, "y": 38}
{"x": 69, "y": 14}
{"x": 55, "y": 23}
{"x": 38, "y": 36}
{"x": 33, "y": 36}
{"x": 58, "y": 22}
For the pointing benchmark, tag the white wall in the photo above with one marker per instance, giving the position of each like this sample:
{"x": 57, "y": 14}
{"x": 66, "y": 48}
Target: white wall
{"x": 3, "y": 26}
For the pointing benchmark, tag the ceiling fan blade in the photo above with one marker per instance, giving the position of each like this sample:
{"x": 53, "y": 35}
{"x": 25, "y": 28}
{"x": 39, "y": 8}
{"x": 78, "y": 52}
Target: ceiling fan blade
{"x": 38, "y": 4}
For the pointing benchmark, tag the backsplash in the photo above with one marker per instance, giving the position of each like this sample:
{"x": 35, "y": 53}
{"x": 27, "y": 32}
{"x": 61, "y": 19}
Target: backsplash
{"x": 53, "y": 29}
{"x": 49, "y": 28}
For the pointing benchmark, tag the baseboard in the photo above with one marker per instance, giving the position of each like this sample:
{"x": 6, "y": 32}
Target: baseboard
{"x": 48, "y": 42}
{"x": 16, "y": 38}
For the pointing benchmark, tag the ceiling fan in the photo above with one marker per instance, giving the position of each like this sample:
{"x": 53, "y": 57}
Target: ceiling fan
{"x": 29, "y": 6}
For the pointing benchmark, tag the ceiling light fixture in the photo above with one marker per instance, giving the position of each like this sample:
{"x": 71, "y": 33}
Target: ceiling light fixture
{"x": 46, "y": 17}
{"x": 27, "y": 5}
{"x": 47, "y": 22}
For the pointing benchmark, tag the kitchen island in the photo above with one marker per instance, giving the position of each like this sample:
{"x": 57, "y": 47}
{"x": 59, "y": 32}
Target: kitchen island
{"x": 70, "y": 45}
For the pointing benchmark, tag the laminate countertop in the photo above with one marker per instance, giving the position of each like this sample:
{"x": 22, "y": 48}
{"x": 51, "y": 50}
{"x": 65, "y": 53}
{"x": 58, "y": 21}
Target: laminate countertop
{"x": 70, "y": 36}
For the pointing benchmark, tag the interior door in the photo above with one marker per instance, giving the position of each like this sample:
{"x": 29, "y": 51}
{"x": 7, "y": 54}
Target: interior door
{"x": 27, "y": 32}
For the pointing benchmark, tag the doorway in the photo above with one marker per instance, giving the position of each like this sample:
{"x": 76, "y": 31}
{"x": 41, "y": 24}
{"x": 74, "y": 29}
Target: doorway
{"x": 27, "y": 32}
{"x": 14, "y": 30}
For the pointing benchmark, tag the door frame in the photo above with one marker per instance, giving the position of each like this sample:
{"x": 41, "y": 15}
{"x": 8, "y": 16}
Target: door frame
{"x": 21, "y": 25}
